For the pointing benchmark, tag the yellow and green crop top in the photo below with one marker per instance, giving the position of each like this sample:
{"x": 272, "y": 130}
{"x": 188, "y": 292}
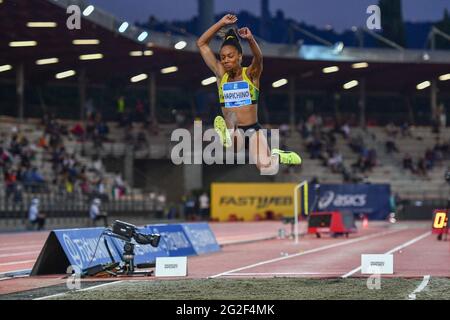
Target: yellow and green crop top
{"x": 237, "y": 93}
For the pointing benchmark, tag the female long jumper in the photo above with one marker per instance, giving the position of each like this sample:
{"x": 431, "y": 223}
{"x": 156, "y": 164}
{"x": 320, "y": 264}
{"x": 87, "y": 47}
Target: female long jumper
{"x": 238, "y": 94}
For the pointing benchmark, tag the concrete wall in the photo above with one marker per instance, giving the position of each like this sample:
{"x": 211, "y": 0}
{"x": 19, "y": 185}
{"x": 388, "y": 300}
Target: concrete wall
{"x": 160, "y": 175}
{"x": 165, "y": 176}
{"x": 232, "y": 173}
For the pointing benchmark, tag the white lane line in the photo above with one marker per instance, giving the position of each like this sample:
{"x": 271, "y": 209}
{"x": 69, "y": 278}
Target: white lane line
{"x": 14, "y": 273}
{"x": 245, "y": 240}
{"x": 6, "y": 245}
{"x": 21, "y": 247}
{"x": 308, "y": 252}
{"x": 16, "y": 262}
{"x": 281, "y": 274}
{"x": 7, "y": 255}
{"x": 423, "y": 284}
{"x": 81, "y": 290}
{"x": 406, "y": 244}
{"x": 14, "y": 277}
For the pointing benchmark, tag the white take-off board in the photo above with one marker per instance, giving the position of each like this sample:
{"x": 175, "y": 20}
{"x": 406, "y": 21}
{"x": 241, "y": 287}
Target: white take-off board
{"x": 377, "y": 264}
{"x": 171, "y": 267}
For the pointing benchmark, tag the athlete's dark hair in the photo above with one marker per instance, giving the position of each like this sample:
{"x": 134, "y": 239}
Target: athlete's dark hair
{"x": 231, "y": 39}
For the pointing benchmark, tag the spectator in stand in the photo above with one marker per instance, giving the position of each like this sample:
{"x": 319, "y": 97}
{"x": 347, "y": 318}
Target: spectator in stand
{"x": 97, "y": 165}
{"x": 408, "y": 162}
{"x": 5, "y": 158}
{"x": 372, "y": 158}
{"x": 429, "y": 159}
{"x": 99, "y": 133}
{"x": 406, "y": 130}
{"x": 37, "y": 180}
{"x": 120, "y": 109}
{"x": 364, "y": 161}
{"x": 10, "y": 178}
{"x": 346, "y": 174}
{"x": 445, "y": 148}
{"x": 103, "y": 130}
{"x": 100, "y": 190}
{"x": 335, "y": 162}
{"x": 55, "y": 140}
{"x": 118, "y": 186}
{"x": 314, "y": 147}
{"x": 345, "y": 130}
{"x": 391, "y": 146}
{"x": 43, "y": 142}
{"x": 357, "y": 143}
{"x": 68, "y": 184}
{"x": 421, "y": 167}
{"x": 391, "y": 130}
{"x": 84, "y": 183}
{"x": 14, "y": 146}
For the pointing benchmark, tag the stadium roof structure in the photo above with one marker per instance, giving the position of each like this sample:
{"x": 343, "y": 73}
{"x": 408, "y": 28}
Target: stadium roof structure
{"x": 123, "y": 55}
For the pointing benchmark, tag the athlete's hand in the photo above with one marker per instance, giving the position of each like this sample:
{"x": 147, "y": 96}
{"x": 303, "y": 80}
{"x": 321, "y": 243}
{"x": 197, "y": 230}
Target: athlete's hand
{"x": 245, "y": 33}
{"x": 228, "y": 19}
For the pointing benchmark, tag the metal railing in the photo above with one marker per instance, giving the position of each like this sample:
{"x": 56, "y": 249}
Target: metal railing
{"x": 74, "y": 205}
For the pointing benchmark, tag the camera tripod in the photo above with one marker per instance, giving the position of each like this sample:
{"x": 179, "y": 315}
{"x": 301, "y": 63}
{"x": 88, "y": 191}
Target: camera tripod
{"x": 125, "y": 268}
{"x": 129, "y": 268}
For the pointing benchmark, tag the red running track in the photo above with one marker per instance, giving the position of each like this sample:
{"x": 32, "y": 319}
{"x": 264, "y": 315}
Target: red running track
{"x": 19, "y": 251}
{"x": 416, "y": 253}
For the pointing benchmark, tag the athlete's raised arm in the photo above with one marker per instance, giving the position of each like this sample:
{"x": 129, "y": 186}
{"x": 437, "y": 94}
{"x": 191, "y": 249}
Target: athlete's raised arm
{"x": 203, "y": 44}
{"x": 255, "y": 69}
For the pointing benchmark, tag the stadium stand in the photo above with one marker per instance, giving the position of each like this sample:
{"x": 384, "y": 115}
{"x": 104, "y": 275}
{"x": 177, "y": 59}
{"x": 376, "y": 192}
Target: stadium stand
{"x": 388, "y": 167}
{"x": 413, "y": 160}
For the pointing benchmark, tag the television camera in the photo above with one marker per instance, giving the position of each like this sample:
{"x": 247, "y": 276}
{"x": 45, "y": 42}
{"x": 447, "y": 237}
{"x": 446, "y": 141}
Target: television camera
{"x": 126, "y": 232}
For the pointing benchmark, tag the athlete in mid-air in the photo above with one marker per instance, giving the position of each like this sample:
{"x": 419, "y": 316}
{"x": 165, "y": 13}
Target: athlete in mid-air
{"x": 239, "y": 92}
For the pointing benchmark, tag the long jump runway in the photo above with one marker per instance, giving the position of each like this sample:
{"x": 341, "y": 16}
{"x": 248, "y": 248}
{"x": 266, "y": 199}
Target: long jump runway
{"x": 252, "y": 250}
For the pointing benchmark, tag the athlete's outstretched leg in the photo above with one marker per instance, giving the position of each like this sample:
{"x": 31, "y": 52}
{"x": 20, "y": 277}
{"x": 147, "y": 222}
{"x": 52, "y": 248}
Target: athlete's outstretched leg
{"x": 268, "y": 161}
{"x": 226, "y": 128}
{"x": 260, "y": 154}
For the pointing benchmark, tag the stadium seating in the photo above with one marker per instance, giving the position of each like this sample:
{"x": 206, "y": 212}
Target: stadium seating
{"x": 388, "y": 169}
{"x": 389, "y": 166}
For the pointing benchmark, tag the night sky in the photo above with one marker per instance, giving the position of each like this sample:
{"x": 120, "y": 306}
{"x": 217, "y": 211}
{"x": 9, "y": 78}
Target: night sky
{"x": 341, "y": 14}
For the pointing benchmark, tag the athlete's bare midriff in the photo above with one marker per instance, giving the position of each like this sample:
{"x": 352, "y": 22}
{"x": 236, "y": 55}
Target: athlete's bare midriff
{"x": 241, "y": 116}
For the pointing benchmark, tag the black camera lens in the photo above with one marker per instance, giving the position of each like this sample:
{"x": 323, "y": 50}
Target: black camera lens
{"x": 128, "y": 247}
{"x": 155, "y": 240}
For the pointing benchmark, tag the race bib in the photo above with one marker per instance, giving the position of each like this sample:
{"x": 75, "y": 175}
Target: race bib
{"x": 236, "y": 94}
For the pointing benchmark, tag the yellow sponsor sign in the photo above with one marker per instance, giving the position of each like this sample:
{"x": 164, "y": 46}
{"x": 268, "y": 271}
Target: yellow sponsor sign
{"x": 246, "y": 201}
